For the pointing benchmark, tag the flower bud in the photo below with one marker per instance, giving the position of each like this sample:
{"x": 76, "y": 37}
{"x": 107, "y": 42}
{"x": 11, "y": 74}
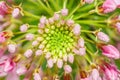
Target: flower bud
{"x": 89, "y": 1}
{"x": 71, "y": 58}
{"x": 24, "y": 28}
{"x": 48, "y": 55}
{"x": 43, "y": 20}
{"x": 110, "y": 51}
{"x": 11, "y": 48}
{"x": 67, "y": 69}
{"x": 76, "y": 29}
{"x": 15, "y": 12}
{"x": 70, "y": 22}
{"x": 35, "y": 43}
{"x": 29, "y": 36}
{"x": 56, "y": 17}
{"x": 51, "y": 21}
{"x": 28, "y": 53}
{"x": 59, "y": 63}
{"x": 21, "y": 70}
{"x": 64, "y": 12}
{"x": 50, "y": 63}
{"x": 118, "y": 27}
{"x": 81, "y": 42}
{"x": 103, "y": 37}
{"x": 37, "y": 76}
{"x": 38, "y": 52}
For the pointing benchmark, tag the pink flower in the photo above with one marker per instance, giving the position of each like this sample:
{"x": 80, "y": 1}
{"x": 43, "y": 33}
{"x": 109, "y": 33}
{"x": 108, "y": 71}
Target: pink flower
{"x": 43, "y": 20}
{"x": 103, "y": 37}
{"x": 89, "y": 1}
{"x": 81, "y": 42}
{"x": 70, "y": 22}
{"x": 37, "y": 76}
{"x": 38, "y": 52}
{"x": 50, "y": 63}
{"x": 28, "y": 53}
{"x": 118, "y": 27}
{"x": 3, "y": 8}
{"x": 56, "y": 17}
{"x": 15, "y": 12}
{"x": 21, "y": 70}
{"x": 50, "y": 20}
{"x": 24, "y": 28}
{"x": 110, "y": 51}
{"x": 81, "y": 51}
{"x": 29, "y": 36}
{"x": 67, "y": 69}
{"x": 64, "y": 12}
{"x": 110, "y": 72}
{"x": 95, "y": 75}
{"x": 11, "y": 48}
{"x": 2, "y": 37}
{"x": 110, "y": 5}
{"x": 76, "y": 29}
{"x": 71, "y": 58}
{"x": 59, "y": 63}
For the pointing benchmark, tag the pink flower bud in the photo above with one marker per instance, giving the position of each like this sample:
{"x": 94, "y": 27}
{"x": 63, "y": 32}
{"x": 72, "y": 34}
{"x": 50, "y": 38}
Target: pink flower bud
{"x": 40, "y": 25}
{"x": 71, "y": 58}
{"x": 81, "y": 51}
{"x": 28, "y": 53}
{"x": 15, "y": 12}
{"x": 21, "y": 70}
{"x": 50, "y": 63}
{"x": 89, "y": 1}
{"x": 41, "y": 46}
{"x": 48, "y": 55}
{"x": 110, "y": 51}
{"x": 38, "y": 52}
{"x": 95, "y": 75}
{"x": 24, "y": 28}
{"x": 51, "y": 21}
{"x": 35, "y": 43}
{"x": 81, "y": 42}
{"x": 3, "y": 8}
{"x": 109, "y": 6}
{"x": 43, "y": 20}
{"x": 67, "y": 69}
{"x": 29, "y": 36}
{"x": 76, "y": 29}
{"x": 37, "y": 76}
{"x": 64, "y": 12}
{"x": 70, "y": 22}
{"x": 56, "y": 17}
{"x": 11, "y": 48}
{"x": 9, "y": 65}
{"x": 118, "y": 27}
{"x": 59, "y": 63}
{"x": 103, "y": 37}
{"x": 65, "y": 58}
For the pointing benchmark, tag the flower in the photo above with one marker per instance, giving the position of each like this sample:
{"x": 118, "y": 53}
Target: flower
{"x": 24, "y": 28}
{"x": 28, "y": 53}
{"x": 67, "y": 69}
{"x": 15, "y": 12}
{"x": 103, "y": 37}
{"x": 89, "y": 1}
{"x": 11, "y": 48}
{"x": 64, "y": 12}
{"x": 110, "y": 51}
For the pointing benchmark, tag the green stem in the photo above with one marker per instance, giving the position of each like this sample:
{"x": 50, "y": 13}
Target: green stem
{"x": 86, "y": 57}
{"x": 90, "y": 52}
{"x": 85, "y": 31}
{"x": 31, "y": 15}
{"x": 65, "y": 3}
{"x": 78, "y": 6}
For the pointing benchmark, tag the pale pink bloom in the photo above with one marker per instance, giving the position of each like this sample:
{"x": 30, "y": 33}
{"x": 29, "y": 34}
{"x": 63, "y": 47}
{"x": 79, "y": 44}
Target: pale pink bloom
{"x": 41, "y": 46}
{"x": 109, "y": 6}
{"x": 37, "y": 76}
{"x": 29, "y": 36}
{"x": 21, "y": 70}
{"x": 40, "y": 31}
{"x": 38, "y": 52}
{"x": 71, "y": 58}
{"x": 2, "y": 38}
{"x": 67, "y": 69}
{"x": 118, "y": 27}
{"x": 56, "y": 16}
{"x": 50, "y": 63}
{"x": 51, "y": 21}
{"x": 81, "y": 51}
{"x": 64, "y": 12}
{"x": 24, "y": 28}
{"x": 110, "y": 72}
{"x": 28, "y": 53}
{"x": 103, "y": 37}
{"x": 65, "y": 57}
{"x": 48, "y": 55}
{"x": 95, "y": 75}
{"x": 117, "y": 2}
{"x": 89, "y": 1}
{"x": 40, "y": 25}
{"x": 81, "y": 42}
{"x": 3, "y": 8}
{"x": 110, "y": 51}
{"x": 11, "y": 48}
{"x": 35, "y": 43}
{"x": 43, "y": 20}
{"x": 76, "y": 29}
{"x": 70, "y": 22}
{"x": 59, "y": 63}
{"x": 15, "y": 12}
